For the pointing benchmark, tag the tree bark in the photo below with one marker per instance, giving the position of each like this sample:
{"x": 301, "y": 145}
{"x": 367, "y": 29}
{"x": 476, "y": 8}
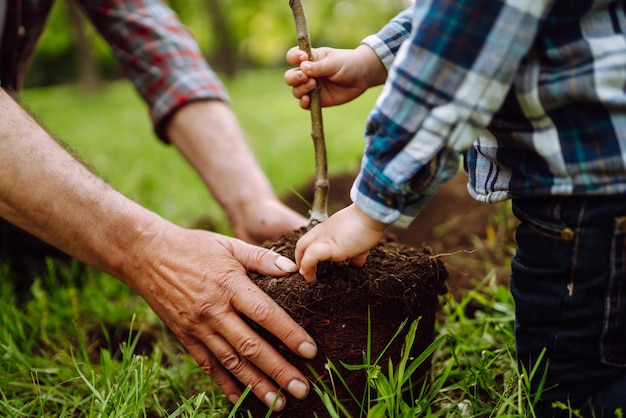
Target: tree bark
{"x": 319, "y": 209}
{"x": 225, "y": 59}
{"x": 88, "y": 76}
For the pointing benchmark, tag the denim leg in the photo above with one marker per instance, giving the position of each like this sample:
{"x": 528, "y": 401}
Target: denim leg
{"x": 610, "y": 397}
{"x": 568, "y": 280}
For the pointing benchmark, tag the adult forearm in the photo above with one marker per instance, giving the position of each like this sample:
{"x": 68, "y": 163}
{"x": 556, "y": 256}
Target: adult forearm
{"x": 195, "y": 281}
{"x": 209, "y": 136}
{"x": 47, "y": 192}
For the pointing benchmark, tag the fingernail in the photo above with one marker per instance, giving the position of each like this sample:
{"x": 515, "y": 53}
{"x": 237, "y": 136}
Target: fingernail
{"x": 298, "y": 389}
{"x": 306, "y": 67}
{"x": 271, "y": 398}
{"x": 286, "y": 264}
{"x": 233, "y": 398}
{"x": 307, "y": 350}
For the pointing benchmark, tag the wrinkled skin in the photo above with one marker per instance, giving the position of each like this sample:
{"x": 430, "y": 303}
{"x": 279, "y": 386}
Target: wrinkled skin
{"x": 194, "y": 280}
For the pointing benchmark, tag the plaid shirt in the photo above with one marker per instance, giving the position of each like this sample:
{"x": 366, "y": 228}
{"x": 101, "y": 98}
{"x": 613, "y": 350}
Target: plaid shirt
{"x": 153, "y": 48}
{"x": 531, "y": 92}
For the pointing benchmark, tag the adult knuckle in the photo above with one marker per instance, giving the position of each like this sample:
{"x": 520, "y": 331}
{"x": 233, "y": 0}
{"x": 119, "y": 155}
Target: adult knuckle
{"x": 234, "y": 362}
{"x": 289, "y": 335}
{"x": 278, "y": 374}
{"x": 257, "y": 255}
{"x": 250, "y": 348}
{"x": 255, "y": 384}
{"x": 204, "y": 310}
{"x": 263, "y": 312}
{"x": 208, "y": 367}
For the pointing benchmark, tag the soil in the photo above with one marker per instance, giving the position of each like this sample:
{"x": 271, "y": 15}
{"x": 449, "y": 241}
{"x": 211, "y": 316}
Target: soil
{"x": 403, "y": 279}
{"x": 452, "y": 224}
{"x": 398, "y": 284}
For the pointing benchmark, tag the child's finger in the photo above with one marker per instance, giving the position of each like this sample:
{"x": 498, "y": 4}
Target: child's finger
{"x": 295, "y": 56}
{"x": 313, "y": 254}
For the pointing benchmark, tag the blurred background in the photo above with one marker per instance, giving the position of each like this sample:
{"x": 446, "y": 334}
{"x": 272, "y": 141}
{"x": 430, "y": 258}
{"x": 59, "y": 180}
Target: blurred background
{"x": 233, "y": 35}
{"x": 77, "y": 91}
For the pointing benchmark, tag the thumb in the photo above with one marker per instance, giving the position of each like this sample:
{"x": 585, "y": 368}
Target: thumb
{"x": 295, "y": 56}
{"x": 264, "y": 261}
{"x": 319, "y": 69}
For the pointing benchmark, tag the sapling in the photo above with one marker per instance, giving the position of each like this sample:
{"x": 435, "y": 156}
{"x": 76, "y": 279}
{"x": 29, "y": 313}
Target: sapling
{"x": 319, "y": 208}
{"x": 398, "y": 283}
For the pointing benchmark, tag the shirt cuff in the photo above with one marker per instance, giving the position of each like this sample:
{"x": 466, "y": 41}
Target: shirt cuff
{"x": 381, "y": 49}
{"x": 389, "y": 209}
{"x": 397, "y": 205}
{"x": 181, "y": 87}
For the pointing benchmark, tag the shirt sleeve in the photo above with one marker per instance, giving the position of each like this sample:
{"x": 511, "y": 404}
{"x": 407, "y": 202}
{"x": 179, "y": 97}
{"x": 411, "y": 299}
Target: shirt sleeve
{"x": 157, "y": 53}
{"x": 388, "y": 40}
{"x": 446, "y": 82}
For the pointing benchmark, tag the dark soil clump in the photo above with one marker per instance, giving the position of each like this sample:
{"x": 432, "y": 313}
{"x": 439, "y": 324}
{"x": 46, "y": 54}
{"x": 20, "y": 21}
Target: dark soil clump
{"x": 451, "y": 224}
{"x": 397, "y": 283}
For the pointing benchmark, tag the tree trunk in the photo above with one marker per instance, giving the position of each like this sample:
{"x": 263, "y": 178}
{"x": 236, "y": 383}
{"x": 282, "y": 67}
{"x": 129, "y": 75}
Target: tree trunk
{"x": 88, "y": 76}
{"x": 225, "y": 59}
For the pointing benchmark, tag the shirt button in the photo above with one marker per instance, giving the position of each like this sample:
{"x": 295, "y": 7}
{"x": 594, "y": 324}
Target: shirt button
{"x": 21, "y": 31}
{"x": 567, "y": 234}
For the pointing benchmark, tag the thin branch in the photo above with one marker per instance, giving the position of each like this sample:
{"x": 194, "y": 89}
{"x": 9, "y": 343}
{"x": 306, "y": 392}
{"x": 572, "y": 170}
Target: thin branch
{"x": 319, "y": 209}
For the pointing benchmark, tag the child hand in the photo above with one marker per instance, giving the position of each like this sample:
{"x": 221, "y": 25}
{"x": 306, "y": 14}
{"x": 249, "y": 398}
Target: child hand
{"x": 347, "y": 235}
{"x": 342, "y": 74}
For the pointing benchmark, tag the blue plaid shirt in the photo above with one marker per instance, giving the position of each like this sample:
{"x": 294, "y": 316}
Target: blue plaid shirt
{"x": 531, "y": 92}
{"x": 153, "y": 48}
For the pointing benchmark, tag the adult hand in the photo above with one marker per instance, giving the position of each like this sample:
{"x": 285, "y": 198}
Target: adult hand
{"x": 342, "y": 74}
{"x": 265, "y": 219}
{"x": 196, "y": 282}
{"x": 347, "y": 235}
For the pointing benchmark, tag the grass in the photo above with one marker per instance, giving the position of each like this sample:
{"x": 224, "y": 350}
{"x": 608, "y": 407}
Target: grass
{"x": 76, "y": 346}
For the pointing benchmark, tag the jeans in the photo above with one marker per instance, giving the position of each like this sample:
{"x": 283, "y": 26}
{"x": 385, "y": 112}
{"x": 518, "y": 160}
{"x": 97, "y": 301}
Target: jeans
{"x": 568, "y": 280}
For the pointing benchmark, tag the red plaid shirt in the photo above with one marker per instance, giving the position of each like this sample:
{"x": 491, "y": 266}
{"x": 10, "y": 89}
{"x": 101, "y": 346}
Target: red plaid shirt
{"x": 154, "y": 50}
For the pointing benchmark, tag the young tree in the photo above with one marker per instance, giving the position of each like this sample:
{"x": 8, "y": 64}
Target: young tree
{"x": 319, "y": 208}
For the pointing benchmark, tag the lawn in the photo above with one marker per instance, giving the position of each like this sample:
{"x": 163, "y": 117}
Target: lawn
{"x": 83, "y": 344}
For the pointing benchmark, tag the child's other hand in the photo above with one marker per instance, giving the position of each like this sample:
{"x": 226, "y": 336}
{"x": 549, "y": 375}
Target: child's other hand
{"x": 348, "y": 235}
{"x": 342, "y": 74}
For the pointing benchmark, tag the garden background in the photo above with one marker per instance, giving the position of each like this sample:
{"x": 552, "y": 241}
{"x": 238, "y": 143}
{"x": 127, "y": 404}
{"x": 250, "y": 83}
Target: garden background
{"x": 83, "y": 344}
